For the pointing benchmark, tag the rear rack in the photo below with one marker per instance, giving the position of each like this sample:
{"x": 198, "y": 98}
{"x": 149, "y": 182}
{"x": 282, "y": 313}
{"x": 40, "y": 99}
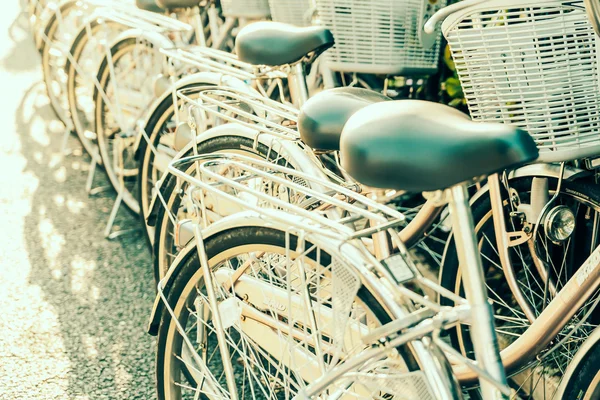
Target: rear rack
{"x": 248, "y": 108}
{"x": 321, "y": 206}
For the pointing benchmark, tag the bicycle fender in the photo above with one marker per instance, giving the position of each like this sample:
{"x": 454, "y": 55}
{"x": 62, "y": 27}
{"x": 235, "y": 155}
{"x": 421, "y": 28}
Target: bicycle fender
{"x": 537, "y": 170}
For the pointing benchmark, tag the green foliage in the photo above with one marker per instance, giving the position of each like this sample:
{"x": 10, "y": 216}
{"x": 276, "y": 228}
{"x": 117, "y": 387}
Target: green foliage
{"x": 452, "y": 85}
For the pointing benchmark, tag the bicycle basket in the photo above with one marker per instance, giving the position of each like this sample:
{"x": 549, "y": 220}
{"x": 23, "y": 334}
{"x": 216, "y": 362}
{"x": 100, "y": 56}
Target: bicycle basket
{"x": 295, "y": 12}
{"x": 381, "y": 36}
{"x": 534, "y": 65}
{"x": 254, "y": 9}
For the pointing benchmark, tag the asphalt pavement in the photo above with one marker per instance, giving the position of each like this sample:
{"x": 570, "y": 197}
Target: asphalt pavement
{"x": 73, "y": 305}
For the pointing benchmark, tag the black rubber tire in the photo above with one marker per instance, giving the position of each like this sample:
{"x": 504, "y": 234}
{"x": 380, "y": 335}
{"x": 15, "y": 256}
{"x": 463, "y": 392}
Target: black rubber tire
{"x": 145, "y": 155}
{"x": 583, "y": 376}
{"x": 231, "y": 239}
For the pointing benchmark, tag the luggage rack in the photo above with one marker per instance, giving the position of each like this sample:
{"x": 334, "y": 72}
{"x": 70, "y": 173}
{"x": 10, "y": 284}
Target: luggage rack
{"x": 321, "y": 206}
{"x": 132, "y": 16}
{"x": 213, "y": 60}
{"x": 248, "y": 108}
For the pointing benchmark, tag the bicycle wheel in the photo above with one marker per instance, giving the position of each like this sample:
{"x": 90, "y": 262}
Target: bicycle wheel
{"x": 274, "y": 352}
{"x": 36, "y": 9}
{"x": 544, "y": 372}
{"x": 583, "y": 380}
{"x": 155, "y": 155}
{"x": 164, "y": 246}
{"x": 87, "y": 51}
{"x": 59, "y": 33}
{"x": 120, "y": 105}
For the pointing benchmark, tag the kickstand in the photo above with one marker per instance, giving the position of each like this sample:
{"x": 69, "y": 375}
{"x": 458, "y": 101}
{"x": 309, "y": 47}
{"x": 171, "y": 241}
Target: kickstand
{"x": 93, "y": 191}
{"x": 64, "y": 150}
{"x": 119, "y": 166}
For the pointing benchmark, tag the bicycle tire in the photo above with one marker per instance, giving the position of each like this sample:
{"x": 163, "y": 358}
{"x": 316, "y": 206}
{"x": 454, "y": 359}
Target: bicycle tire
{"x": 50, "y": 31}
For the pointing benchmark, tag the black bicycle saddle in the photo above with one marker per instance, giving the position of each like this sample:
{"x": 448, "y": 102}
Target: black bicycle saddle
{"x": 417, "y": 146}
{"x": 274, "y": 43}
{"x": 148, "y": 5}
{"x": 171, "y": 4}
{"x": 324, "y": 115}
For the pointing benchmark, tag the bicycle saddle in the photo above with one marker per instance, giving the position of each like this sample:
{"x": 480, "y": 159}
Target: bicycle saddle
{"x": 171, "y": 4}
{"x": 274, "y": 43}
{"x": 148, "y": 5}
{"x": 323, "y": 116}
{"x": 421, "y": 146}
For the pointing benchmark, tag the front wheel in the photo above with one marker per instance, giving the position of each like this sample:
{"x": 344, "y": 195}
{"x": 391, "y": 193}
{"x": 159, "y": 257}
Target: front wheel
{"x": 582, "y": 381}
{"x": 559, "y": 259}
{"x": 275, "y": 347}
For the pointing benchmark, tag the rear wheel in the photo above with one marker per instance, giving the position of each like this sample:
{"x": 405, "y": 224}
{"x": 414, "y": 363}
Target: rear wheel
{"x": 120, "y": 106}
{"x": 154, "y": 155}
{"x": 165, "y": 248}
{"x": 584, "y": 381}
{"x": 87, "y": 51}
{"x": 59, "y": 33}
{"x": 273, "y": 352}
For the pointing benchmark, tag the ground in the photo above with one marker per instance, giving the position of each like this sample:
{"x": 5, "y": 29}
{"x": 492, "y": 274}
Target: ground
{"x": 73, "y": 305}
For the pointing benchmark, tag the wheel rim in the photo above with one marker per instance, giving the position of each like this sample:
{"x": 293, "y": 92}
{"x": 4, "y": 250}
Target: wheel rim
{"x": 269, "y": 261}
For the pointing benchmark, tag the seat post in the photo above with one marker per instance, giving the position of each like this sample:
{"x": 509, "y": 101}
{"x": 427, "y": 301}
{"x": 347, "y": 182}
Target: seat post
{"x": 483, "y": 333}
{"x": 297, "y": 84}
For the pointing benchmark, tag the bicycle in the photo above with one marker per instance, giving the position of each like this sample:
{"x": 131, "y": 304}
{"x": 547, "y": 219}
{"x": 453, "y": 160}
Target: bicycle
{"x": 241, "y": 138}
{"x": 127, "y": 48}
{"x": 533, "y": 227}
{"x": 307, "y": 225}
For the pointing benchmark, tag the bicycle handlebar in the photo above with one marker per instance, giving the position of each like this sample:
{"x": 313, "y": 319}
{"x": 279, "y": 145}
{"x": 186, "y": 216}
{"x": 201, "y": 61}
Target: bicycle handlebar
{"x": 443, "y": 13}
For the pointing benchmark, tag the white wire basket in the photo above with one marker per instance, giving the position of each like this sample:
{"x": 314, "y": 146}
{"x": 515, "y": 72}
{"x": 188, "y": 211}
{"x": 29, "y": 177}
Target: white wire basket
{"x": 534, "y": 65}
{"x": 381, "y": 36}
{"x": 253, "y": 9}
{"x": 295, "y": 12}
